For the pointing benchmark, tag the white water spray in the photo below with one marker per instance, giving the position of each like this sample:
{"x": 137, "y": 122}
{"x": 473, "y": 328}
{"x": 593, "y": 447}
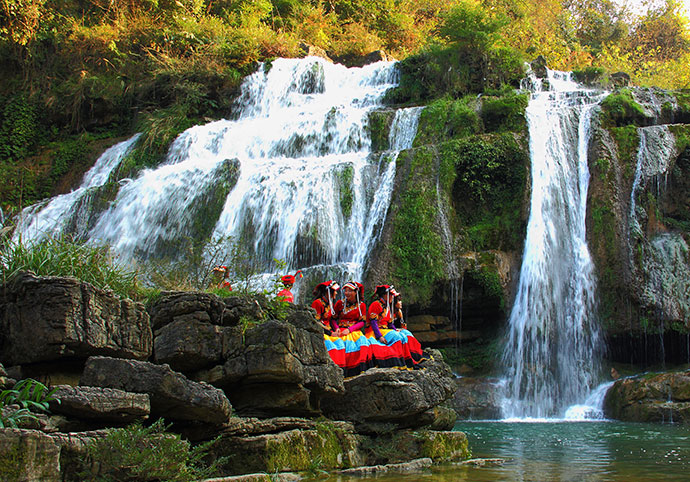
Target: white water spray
{"x": 68, "y": 213}
{"x": 309, "y": 190}
{"x": 553, "y": 348}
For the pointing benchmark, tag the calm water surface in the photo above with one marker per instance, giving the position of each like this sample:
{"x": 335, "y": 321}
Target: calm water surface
{"x": 567, "y": 451}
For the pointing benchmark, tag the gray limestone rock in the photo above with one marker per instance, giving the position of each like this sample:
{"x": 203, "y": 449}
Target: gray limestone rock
{"x": 50, "y": 318}
{"x": 102, "y": 404}
{"x": 173, "y": 396}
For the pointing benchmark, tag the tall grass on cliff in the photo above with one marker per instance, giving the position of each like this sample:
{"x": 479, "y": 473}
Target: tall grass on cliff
{"x": 63, "y": 257}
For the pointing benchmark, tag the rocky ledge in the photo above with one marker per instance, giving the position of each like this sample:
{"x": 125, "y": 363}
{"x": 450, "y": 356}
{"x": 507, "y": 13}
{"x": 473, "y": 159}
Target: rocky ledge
{"x": 253, "y": 376}
{"x": 662, "y": 397}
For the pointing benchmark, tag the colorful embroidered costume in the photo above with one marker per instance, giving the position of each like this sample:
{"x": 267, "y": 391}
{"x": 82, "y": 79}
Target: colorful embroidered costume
{"x": 390, "y": 347}
{"x": 347, "y": 346}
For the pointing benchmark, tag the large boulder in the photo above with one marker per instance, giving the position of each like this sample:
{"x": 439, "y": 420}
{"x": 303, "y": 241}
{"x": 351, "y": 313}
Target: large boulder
{"x": 28, "y": 456}
{"x": 385, "y": 397}
{"x": 173, "y": 396}
{"x": 106, "y": 405}
{"x": 324, "y": 445}
{"x": 188, "y": 306}
{"x": 663, "y": 397}
{"x": 188, "y": 345}
{"x": 50, "y": 318}
{"x": 276, "y": 367}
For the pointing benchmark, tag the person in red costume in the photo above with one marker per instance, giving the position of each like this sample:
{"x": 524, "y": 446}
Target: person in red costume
{"x": 347, "y": 346}
{"x": 224, "y": 282}
{"x": 288, "y": 281}
{"x": 324, "y": 298}
{"x": 404, "y": 349}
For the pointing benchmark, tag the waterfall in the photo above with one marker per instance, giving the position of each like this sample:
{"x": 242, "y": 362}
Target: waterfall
{"x": 656, "y": 151}
{"x": 553, "y": 346}
{"x": 308, "y": 189}
{"x": 69, "y": 213}
{"x": 662, "y": 257}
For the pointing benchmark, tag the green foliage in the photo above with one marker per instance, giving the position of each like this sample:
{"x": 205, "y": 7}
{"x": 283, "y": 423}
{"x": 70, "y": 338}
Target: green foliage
{"x": 470, "y": 26}
{"x": 345, "y": 190}
{"x": 158, "y": 132}
{"x": 31, "y": 396}
{"x": 69, "y": 154}
{"x": 19, "y": 129}
{"x": 62, "y": 257}
{"x": 620, "y": 109}
{"x": 488, "y": 188}
{"x": 146, "y": 454}
{"x": 490, "y": 281}
{"x": 507, "y": 113}
{"x": 591, "y": 75}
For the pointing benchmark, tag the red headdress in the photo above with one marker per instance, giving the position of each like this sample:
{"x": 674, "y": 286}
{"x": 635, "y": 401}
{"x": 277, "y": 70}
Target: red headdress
{"x": 289, "y": 279}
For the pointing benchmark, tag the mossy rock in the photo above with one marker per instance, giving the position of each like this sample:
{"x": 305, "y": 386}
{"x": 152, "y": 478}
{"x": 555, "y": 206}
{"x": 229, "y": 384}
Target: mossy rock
{"x": 506, "y": 113}
{"x": 323, "y": 448}
{"x": 380, "y": 122}
{"x": 620, "y": 109}
{"x": 592, "y": 76}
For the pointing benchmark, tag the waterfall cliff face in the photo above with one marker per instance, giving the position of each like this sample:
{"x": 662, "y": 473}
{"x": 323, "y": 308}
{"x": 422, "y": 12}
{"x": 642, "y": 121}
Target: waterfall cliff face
{"x": 309, "y": 191}
{"x": 553, "y": 348}
{"x": 70, "y": 213}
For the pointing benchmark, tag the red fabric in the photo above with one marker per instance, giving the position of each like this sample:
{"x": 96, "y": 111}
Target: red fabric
{"x": 285, "y": 295}
{"x": 379, "y": 313}
{"x": 349, "y": 316}
{"x": 225, "y": 284}
{"x": 323, "y": 312}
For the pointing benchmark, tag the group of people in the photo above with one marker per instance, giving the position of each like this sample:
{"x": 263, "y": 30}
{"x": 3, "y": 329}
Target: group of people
{"x": 358, "y": 337}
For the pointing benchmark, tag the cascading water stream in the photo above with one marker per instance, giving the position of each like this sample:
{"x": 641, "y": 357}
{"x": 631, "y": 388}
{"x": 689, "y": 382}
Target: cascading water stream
{"x": 68, "y": 213}
{"x": 306, "y": 187}
{"x": 553, "y": 347}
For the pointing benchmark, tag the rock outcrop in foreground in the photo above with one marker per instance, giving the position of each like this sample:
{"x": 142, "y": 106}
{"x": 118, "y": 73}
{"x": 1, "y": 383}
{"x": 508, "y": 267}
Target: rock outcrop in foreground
{"x": 242, "y": 371}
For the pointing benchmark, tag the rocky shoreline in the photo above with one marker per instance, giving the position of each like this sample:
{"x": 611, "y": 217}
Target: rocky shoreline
{"x": 258, "y": 382}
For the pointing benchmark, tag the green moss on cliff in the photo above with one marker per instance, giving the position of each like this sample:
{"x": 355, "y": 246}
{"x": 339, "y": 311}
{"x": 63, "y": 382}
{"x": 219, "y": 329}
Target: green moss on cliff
{"x": 346, "y": 196}
{"x": 620, "y": 109}
{"x": 379, "y": 128}
{"x": 416, "y": 242}
{"x": 506, "y": 113}
{"x": 12, "y": 463}
{"x": 488, "y": 190}
{"x": 628, "y": 140}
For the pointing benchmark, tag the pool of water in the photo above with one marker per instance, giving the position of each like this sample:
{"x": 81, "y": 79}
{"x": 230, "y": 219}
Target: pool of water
{"x": 566, "y": 451}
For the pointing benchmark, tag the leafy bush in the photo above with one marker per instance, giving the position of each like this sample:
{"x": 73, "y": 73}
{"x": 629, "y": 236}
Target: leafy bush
{"x": 30, "y": 395}
{"x": 146, "y": 454}
{"x": 62, "y": 257}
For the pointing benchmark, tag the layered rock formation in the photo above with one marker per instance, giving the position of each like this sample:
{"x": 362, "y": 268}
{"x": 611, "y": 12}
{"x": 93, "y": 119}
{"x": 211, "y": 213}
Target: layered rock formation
{"x": 265, "y": 359}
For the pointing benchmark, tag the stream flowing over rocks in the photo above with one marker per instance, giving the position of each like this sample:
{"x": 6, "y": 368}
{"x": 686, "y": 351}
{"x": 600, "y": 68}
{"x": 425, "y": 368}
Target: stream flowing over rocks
{"x": 248, "y": 384}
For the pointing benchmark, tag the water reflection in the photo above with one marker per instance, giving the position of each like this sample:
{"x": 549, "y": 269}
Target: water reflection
{"x": 564, "y": 452}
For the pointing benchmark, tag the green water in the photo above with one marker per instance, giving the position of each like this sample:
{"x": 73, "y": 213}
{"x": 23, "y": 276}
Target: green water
{"x": 566, "y": 451}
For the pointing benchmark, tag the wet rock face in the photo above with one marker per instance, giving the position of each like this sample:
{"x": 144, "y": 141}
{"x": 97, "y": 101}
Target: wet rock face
{"x": 477, "y": 399}
{"x": 650, "y": 398}
{"x": 638, "y": 217}
{"x": 173, "y": 396}
{"x": 48, "y": 318}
